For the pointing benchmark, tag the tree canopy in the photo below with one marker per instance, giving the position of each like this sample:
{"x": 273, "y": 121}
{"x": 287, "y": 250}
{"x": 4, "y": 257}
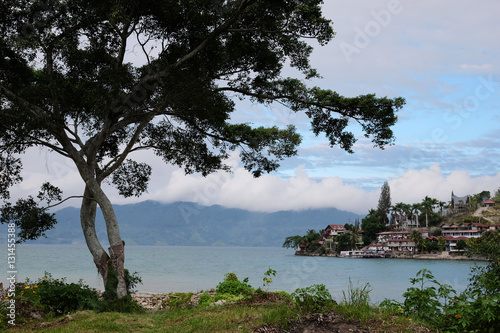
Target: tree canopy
{"x": 96, "y": 81}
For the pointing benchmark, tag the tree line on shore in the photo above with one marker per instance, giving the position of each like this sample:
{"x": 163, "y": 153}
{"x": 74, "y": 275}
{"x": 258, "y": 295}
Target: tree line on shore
{"x": 429, "y": 213}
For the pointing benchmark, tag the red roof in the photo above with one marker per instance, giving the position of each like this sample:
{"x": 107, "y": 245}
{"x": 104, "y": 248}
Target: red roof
{"x": 489, "y": 201}
{"x": 335, "y": 227}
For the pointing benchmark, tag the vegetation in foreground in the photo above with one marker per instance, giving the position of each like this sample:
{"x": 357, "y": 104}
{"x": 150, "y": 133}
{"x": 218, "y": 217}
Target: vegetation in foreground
{"x": 52, "y": 305}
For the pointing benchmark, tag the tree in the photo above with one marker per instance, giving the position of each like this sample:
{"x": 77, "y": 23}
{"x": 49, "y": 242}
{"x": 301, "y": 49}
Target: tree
{"x": 496, "y": 196}
{"x": 416, "y": 237}
{"x": 399, "y": 210}
{"x": 293, "y": 242}
{"x": 461, "y": 245}
{"x": 69, "y": 83}
{"x": 344, "y": 242}
{"x": 371, "y": 225}
{"x": 384, "y": 202}
{"x": 416, "y": 208}
{"x": 427, "y": 207}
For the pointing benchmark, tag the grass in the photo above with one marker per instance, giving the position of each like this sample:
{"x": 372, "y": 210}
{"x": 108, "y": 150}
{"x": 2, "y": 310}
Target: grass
{"x": 239, "y": 317}
{"x": 230, "y": 318}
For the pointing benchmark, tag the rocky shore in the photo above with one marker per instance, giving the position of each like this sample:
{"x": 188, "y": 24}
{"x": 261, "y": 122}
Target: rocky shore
{"x": 154, "y": 301}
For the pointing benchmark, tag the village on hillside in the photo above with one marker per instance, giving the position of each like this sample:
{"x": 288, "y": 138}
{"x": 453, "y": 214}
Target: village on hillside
{"x": 430, "y": 230}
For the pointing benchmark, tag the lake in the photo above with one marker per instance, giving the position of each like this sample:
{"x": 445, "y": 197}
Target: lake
{"x": 190, "y": 269}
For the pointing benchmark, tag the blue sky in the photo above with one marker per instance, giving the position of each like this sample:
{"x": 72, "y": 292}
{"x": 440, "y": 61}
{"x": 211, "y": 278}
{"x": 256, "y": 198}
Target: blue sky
{"x": 443, "y": 57}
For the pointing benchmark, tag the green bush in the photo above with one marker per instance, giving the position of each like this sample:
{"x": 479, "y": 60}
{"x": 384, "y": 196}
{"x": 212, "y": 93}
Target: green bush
{"x": 231, "y": 285}
{"x": 315, "y": 298}
{"x": 49, "y": 295}
{"x": 205, "y": 300}
{"x": 475, "y": 310}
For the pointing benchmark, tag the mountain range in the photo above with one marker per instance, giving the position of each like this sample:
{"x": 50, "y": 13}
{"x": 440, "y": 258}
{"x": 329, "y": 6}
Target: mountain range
{"x": 191, "y": 224}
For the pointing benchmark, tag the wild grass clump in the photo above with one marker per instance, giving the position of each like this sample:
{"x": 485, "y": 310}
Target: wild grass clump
{"x": 355, "y": 302}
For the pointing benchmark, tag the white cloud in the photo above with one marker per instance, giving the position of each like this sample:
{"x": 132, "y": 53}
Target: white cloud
{"x": 272, "y": 193}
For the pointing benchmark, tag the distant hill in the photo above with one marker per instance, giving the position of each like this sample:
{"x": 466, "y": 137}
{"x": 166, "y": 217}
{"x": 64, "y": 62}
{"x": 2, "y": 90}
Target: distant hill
{"x": 187, "y": 223}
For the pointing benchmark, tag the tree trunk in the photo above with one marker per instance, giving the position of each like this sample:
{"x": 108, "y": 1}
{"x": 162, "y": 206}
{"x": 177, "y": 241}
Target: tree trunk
{"x": 116, "y": 249}
{"x": 87, "y": 218}
{"x": 116, "y": 245}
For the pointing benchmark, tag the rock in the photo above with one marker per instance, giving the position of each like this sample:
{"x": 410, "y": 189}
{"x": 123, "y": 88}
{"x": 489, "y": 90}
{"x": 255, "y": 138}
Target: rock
{"x": 35, "y": 315}
{"x": 219, "y": 302}
{"x": 151, "y": 301}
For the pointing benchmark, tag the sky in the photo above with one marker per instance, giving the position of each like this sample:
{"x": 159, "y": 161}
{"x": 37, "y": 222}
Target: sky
{"x": 442, "y": 56}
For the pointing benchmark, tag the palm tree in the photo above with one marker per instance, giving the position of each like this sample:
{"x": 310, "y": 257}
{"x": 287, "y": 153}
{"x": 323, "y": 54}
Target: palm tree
{"x": 441, "y": 205}
{"x": 293, "y": 242}
{"x": 407, "y": 211}
{"x": 415, "y": 209}
{"x": 397, "y": 210}
{"x": 427, "y": 207}
{"x": 417, "y": 238}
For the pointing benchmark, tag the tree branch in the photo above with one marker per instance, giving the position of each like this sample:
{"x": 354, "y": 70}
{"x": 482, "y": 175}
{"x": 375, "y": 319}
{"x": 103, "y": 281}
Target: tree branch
{"x": 71, "y": 197}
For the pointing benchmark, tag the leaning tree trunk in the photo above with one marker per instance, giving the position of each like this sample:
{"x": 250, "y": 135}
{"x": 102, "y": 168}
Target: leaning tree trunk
{"x": 87, "y": 218}
{"x": 116, "y": 254}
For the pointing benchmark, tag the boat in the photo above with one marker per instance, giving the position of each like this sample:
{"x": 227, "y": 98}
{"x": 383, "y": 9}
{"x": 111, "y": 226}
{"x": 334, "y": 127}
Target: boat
{"x": 363, "y": 254}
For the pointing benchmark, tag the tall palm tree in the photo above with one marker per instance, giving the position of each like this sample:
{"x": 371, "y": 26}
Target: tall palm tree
{"x": 415, "y": 209}
{"x": 427, "y": 207}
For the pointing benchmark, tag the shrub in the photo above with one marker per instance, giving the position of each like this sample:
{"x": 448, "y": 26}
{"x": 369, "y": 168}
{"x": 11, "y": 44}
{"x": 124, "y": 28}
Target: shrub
{"x": 315, "y": 298}
{"x": 475, "y": 310}
{"x": 49, "y": 295}
{"x": 231, "y": 285}
{"x": 205, "y": 300}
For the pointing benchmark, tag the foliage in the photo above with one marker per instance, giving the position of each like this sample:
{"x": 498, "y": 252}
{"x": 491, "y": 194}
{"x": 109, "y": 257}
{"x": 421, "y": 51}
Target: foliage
{"x": 488, "y": 246}
{"x": 345, "y": 241}
{"x": 205, "y": 300}
{"x": 461, "y": 245}
{"x": 69, "y": 85}
{"x": 293, "y": 242}
{"x": 123, "y": 304}
{"x": 372, "y": 225}
{"x": 267, "y": 277}
{"x": 315, "y": 298}
{"x": 475, "y": 310}
{"x": 384, "y": 203}
{"x": 231, "y": 285}
{"x": 356, "y": 296}
{"x": 309, "y": 242}
{"x": 355, "y": 302}
{"x": 55, "y": 296}
{"x": 418, "y": 239}
{"x": 437, "y": 232}
{"x": 180, "y": 300}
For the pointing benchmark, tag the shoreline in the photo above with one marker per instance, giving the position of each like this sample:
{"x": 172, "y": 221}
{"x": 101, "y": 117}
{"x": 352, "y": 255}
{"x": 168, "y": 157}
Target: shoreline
{"x": 427, "y": 256}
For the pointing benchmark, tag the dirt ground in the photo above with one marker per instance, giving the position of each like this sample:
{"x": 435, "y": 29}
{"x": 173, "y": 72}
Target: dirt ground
{"x": 320, "y": 323}
{"x": 332, "y": 322}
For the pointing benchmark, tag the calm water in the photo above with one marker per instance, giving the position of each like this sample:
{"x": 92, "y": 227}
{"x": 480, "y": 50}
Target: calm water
{"x": 184, "y": 269}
